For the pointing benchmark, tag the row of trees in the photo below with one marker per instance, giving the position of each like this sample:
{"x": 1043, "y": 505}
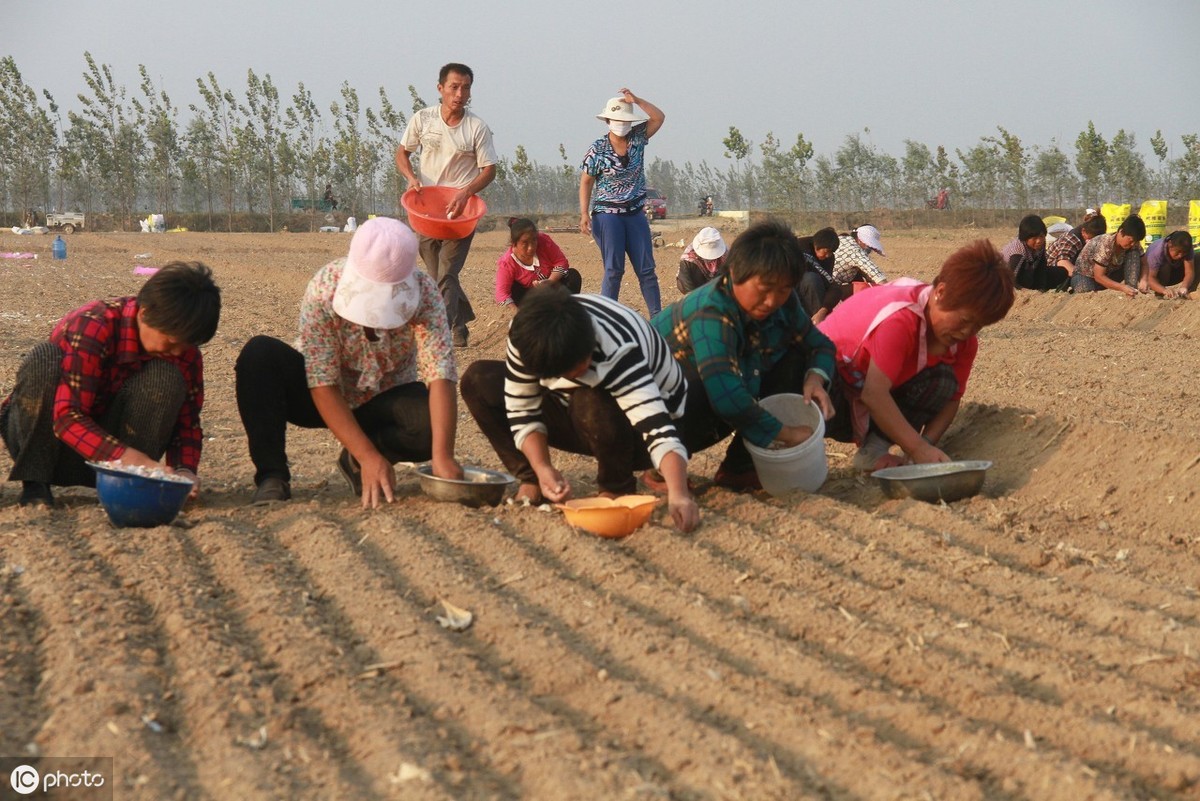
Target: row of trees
{"x": 254, "y": 149}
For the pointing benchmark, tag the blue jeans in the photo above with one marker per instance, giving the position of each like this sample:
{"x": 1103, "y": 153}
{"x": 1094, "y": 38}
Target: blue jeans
{"x": 618, "y": 234}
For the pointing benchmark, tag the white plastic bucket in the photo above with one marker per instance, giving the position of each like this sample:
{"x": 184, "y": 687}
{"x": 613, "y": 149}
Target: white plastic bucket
{"x": 802, "y": 466}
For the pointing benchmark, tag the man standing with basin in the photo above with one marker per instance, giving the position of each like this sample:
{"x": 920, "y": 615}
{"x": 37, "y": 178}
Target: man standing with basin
{"x": 456, "y": 150}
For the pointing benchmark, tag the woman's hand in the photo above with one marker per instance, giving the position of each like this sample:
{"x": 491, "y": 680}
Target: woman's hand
{"x": 793, "y": 435}
{"x": 135, "y": 458}
{"x": 815, "y": 392}
{"x": 585, "y": 224}
{"x": 928, "y": 453}
{"x": 629, "y": 96}
{"x": 685, "y": 514}
{"x": 183, "y": 472}
{"x": 555, "y": 488}
{"x": 448, "y": 468}
{"x": 378, "y": 480}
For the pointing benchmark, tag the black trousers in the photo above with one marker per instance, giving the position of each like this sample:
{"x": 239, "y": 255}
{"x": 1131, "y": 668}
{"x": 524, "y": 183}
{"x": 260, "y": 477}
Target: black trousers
{"x": 1042, "y": 278}
{"x": 573, "y": 281}
{"x": 706, "y": 428}
{"x": 592, "y": 423}
{"x": 142, "y": 414}
{"x": 272, "y": 391}
{"x": 919, "y": 399}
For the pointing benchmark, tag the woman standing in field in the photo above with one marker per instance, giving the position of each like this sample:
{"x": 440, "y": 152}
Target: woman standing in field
{"x": 612, "y": 193}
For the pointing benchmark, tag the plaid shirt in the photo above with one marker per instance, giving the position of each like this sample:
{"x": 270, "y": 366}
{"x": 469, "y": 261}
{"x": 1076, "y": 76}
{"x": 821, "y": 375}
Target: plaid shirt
{"x": 732, "y": 352}
{"x": 1067, "y": 247}
{"x": 1021, "y": 258}
{"x": 1119, "y": 266}
{"x": 101, "y": 350}
{"x": 850, "y": 262}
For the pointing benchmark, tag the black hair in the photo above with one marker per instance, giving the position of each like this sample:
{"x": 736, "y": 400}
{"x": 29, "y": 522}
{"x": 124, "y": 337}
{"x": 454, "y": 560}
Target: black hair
{"x": 1095, "y": 225}
{"x": 1133, "y": 226}
{"x": 768, "y": 250}
{"x": 181, "y": 301}
{"x": 552, "y": 331}
{"x": 826, "y": 238}
{"x": 453, "y": 66}
{"x": 518, "y": 227}
{"x": 1031, "y": 226}
{"x": 1183, "y": 241}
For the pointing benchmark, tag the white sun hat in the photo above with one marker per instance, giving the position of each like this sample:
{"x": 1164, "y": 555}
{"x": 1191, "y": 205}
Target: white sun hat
{"x": 617, "y": 109}
{"x": 708, "y": 244}
{"x": 377, "y": 288}
{"x": 869, "y": 236}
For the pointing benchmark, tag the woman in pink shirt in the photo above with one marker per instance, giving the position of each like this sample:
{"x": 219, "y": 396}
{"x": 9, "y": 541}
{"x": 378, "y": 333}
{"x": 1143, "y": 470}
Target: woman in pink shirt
{"x": 905, "y": 351}
{"x": 531, "y": 259}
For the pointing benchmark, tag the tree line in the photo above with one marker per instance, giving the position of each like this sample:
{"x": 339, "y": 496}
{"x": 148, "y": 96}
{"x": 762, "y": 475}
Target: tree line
{"x": 253, "y": 149}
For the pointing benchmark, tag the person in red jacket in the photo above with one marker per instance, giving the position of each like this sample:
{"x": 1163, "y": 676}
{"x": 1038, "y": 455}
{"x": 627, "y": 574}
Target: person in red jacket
{"x": 119, "y": 380}
{"x": 532, "y": 258}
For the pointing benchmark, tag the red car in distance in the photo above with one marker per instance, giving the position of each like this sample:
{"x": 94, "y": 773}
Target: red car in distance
{"x": 656, "y": 205}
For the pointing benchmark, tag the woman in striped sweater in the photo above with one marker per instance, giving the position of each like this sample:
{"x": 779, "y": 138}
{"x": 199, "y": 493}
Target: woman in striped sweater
{"x": 586, "y": 375}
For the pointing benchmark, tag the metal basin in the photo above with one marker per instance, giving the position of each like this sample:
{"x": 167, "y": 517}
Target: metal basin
{"x": 947, "y": 481}
{"x": 478, "y": 487}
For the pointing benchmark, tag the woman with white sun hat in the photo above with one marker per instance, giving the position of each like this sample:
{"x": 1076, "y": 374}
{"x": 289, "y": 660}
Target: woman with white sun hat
{"x": 612, "y": 193}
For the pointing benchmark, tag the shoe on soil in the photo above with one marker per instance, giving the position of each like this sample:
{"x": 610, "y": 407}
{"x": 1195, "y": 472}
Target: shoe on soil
{"x": 742, "y": 481}
{"x": 348, "y": 467}
{"x": 657, "y": 482}
{"x": 654, "y": 480}
{"x": 870, "y": 453}
{"x": 36, "y": 493}
{"x": 459, "y": 335}
{"x": 271, "y": 490}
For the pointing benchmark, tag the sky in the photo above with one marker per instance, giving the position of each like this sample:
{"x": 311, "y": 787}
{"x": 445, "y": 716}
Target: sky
{"x": 939, "y": 72}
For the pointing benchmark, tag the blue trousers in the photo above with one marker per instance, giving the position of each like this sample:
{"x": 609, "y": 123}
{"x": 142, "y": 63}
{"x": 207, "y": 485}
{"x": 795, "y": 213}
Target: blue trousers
{"x": 618, "y": 234}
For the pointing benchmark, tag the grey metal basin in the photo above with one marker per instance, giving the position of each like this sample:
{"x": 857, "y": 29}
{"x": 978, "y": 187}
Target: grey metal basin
{"x": 478, "y": 487}
{"x": 948, "y": 481}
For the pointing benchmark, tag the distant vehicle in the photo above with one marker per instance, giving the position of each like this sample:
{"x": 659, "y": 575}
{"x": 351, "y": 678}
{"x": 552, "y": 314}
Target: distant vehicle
{"x": 941, "y": 202}
{"x": 66, "y": 221}
{"x": 656, "y": 205}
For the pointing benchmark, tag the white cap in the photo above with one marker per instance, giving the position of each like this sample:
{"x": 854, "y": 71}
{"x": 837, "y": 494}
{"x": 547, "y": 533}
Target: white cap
{"x": 377, "y": 288}
{"x": 869, "y": 236}
{"x": 617, "y": 109}
{"x": 708, "y": 244}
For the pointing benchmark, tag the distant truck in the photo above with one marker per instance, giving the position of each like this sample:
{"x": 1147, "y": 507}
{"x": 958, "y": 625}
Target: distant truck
{"x": 67, "y": 221}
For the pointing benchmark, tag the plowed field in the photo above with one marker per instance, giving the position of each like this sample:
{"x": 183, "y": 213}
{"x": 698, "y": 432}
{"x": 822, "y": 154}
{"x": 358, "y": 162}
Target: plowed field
{"x": 1038, "y": 641}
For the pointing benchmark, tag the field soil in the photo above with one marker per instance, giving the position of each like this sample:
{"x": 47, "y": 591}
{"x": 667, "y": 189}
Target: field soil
{"x": 1038, "y": 641}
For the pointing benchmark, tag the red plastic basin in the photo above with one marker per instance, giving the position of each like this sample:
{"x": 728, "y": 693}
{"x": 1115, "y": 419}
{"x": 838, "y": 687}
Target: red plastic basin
{"x": 427, "y": 212}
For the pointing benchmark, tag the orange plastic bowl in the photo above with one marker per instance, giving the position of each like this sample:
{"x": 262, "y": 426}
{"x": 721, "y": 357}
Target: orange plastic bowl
{"x": 427, "y": 212}
{"x": 605, "y": 517}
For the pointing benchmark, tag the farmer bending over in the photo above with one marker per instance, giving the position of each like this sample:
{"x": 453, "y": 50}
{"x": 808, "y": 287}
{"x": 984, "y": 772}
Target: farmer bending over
{"x": 905, "y": 351}
{"x": 587, "y": 375}
{"x": 120, "y": 380}
{"x": 374, "y": 366}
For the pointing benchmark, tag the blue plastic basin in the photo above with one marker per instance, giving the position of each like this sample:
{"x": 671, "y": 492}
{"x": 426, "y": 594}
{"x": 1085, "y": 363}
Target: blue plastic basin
{"x": 139, "y": 501}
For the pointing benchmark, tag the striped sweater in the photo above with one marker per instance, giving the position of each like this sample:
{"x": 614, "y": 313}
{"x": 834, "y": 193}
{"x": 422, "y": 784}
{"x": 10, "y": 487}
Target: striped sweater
{"x": 631, "y": 362}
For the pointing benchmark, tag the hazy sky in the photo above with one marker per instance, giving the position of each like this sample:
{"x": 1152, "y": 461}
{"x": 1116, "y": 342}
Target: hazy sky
{"x": 935, "y": 71}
